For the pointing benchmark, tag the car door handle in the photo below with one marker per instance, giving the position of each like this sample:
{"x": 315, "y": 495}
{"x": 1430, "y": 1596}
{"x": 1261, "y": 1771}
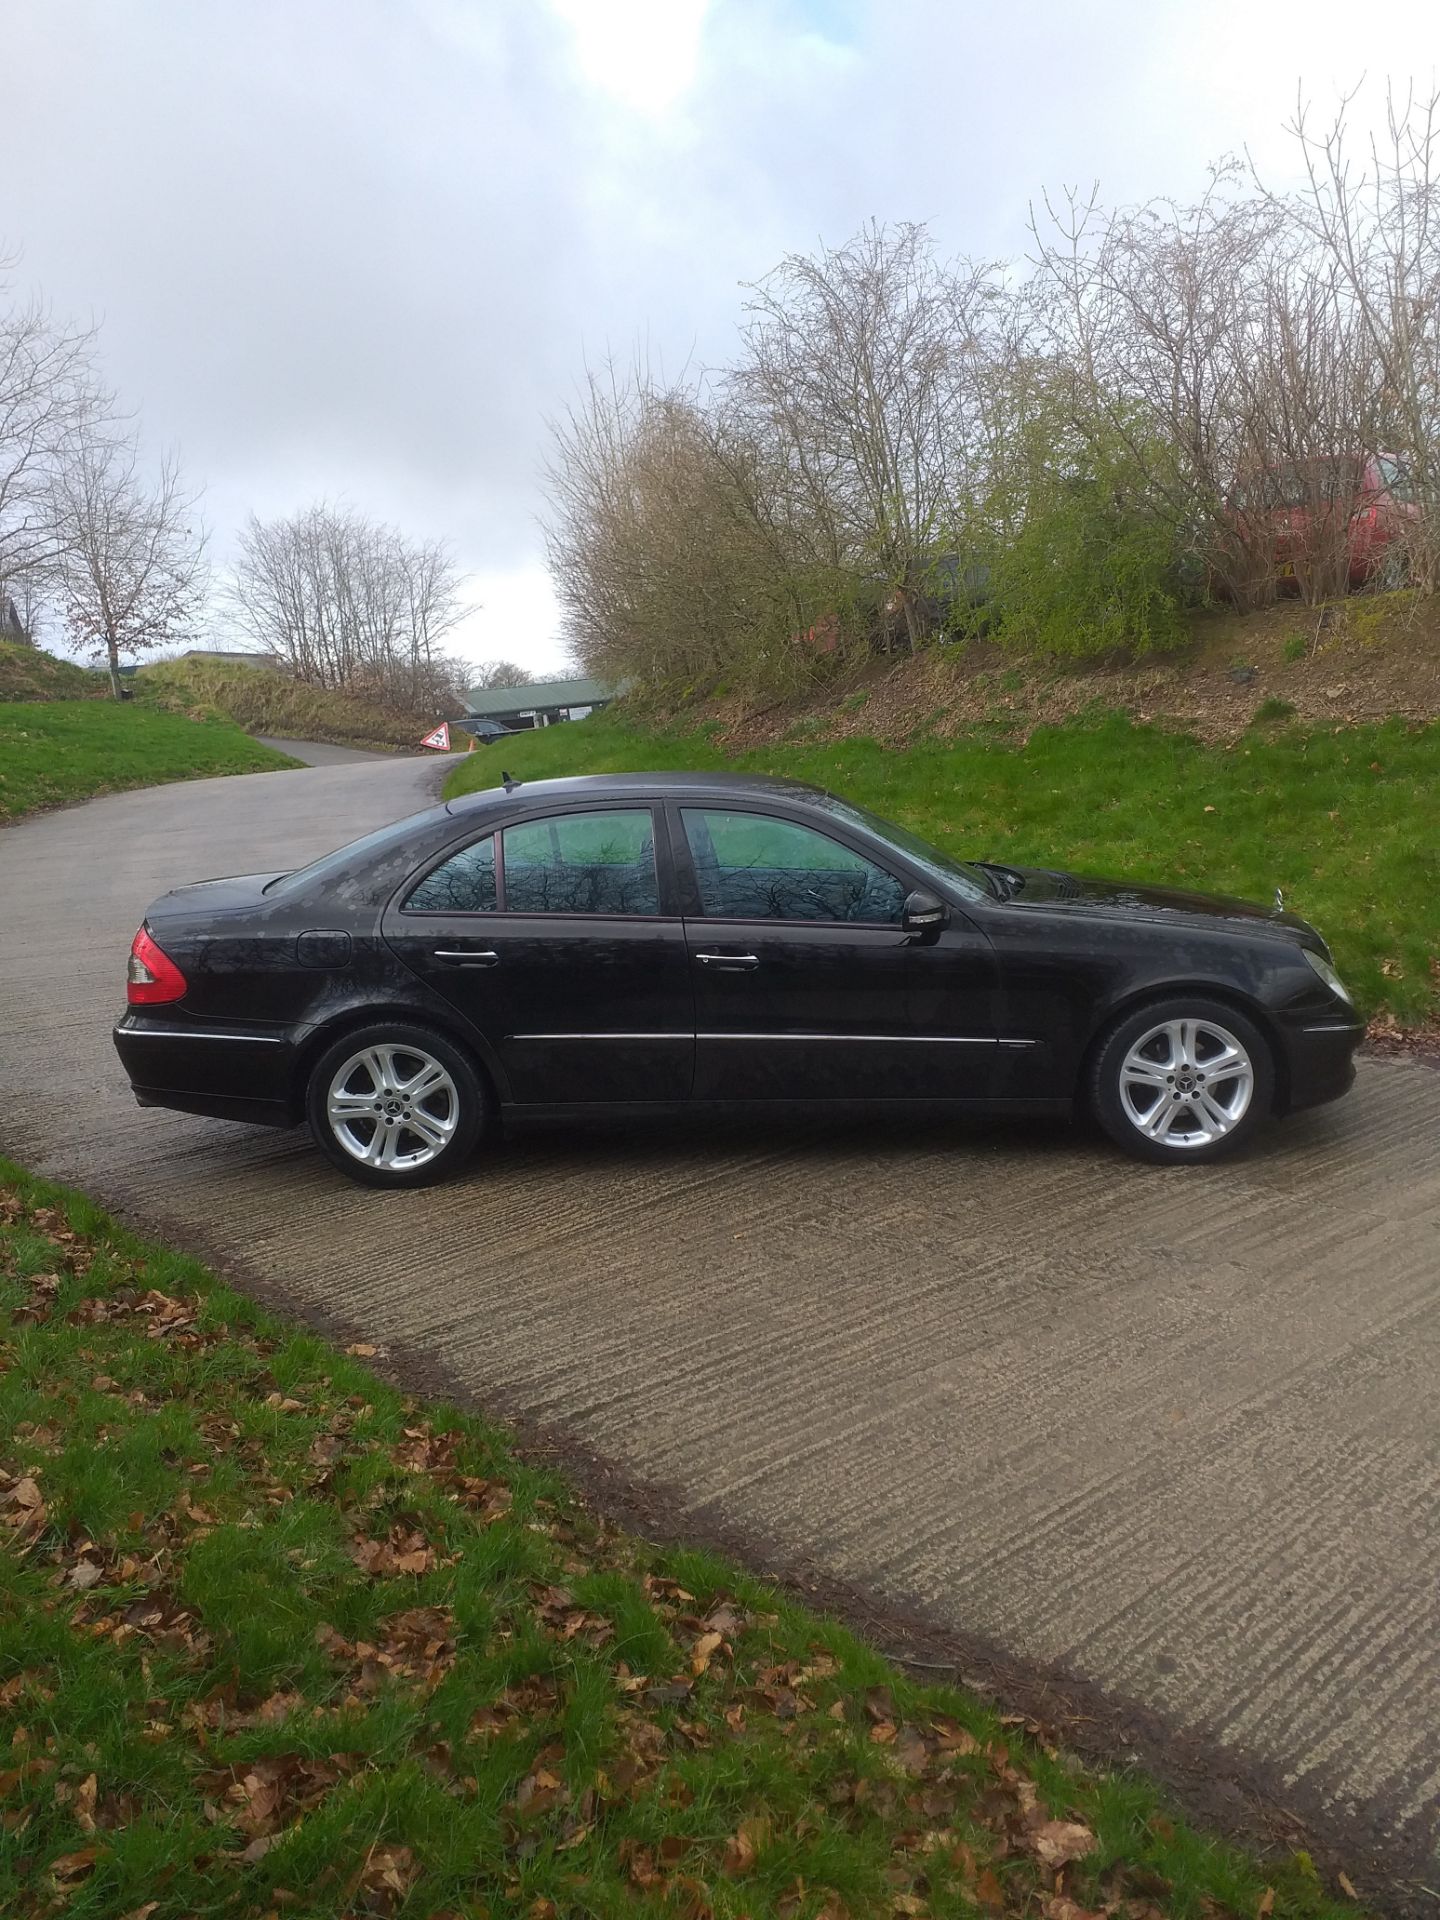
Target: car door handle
{"x": 470, "y": 957}
{"x": 729, "y": 962}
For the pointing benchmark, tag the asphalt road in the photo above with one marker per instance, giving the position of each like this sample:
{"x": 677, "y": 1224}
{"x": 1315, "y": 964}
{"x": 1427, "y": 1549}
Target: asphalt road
{"x": 1178, "y": 1431}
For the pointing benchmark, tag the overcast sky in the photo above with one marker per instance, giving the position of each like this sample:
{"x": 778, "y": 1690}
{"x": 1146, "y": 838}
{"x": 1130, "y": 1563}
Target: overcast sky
{"x": 361, "y": 249}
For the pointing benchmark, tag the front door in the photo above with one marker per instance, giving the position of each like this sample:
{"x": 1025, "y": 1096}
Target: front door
{"x": 807, "y": 986}
{"x": 552, "y": 939}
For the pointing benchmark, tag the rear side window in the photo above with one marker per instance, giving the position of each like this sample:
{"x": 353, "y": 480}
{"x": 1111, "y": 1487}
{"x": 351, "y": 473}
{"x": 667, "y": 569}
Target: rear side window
{"x": 750, "y": 866}
{"x": 465, "y": 883}
{"x": 582, "y": 863}
{"x": 1394, "y": 477}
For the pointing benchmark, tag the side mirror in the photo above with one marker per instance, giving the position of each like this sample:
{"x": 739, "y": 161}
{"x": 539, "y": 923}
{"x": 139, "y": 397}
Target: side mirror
{"x": 924, "y": 914}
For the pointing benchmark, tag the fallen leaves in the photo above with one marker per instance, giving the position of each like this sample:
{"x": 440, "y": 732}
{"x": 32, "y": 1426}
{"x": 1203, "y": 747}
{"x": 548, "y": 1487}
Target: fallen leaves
{"x": 387, "y": 1872}
{"x": 1055, "y": 1843}
{"x": 416, "y": 1647}
{"x": 22, "y": 1508}
{"x": 70, "y": 1869}
{"x": 585, "y": 1708}
{"x": 745, "y": 1846}
{"x": 403, "y": 1550}
{"x": 266, "y": 1796}
{"x": 561, "y": 1619}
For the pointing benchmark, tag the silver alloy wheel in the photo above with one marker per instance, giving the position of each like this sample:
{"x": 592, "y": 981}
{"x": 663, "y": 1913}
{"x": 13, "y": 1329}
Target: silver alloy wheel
{"x": 1186, "y": 1083}
{"x": 392, "y": 1107}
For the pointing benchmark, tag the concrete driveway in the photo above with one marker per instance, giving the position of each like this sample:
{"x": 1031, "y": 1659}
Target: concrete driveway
{"x": 1177, "y": 1431}
{"x": 319, "y": 753}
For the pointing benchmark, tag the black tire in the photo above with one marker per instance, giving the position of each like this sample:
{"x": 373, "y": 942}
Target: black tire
{"x": 1120, "y": 1098}
{"x": 425, "y": 1136}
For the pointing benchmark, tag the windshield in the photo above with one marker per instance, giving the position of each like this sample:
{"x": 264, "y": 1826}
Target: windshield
{"x": 1299, "y": 484}
{"x": 962, "y": 873}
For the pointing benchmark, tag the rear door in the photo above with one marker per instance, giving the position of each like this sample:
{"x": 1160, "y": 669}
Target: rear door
{"x": 806, "y": 985}
{"x": 558, "y": 939}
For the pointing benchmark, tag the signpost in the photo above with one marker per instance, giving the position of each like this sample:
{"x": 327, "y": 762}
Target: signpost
{"x": 438, "y": 737}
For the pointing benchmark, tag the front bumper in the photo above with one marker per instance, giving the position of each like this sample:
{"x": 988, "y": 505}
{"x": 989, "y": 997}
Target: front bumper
{"x": 1319, "y": 1060}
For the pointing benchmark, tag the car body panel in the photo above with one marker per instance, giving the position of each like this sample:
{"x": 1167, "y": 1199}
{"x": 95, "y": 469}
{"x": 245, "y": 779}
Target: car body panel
{"x": 1358, "y": 506}
{"x": 576, "y": 1012}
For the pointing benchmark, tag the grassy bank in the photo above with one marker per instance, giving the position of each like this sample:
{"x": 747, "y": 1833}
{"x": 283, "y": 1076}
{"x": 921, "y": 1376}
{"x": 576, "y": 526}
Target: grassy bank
{"x": 1344, "y": 821}
{"x": 29, "y": 673}
{"x": 57, "y": 751}
{"x": 265, "y": 702}
{"x": 276, "y": 1639}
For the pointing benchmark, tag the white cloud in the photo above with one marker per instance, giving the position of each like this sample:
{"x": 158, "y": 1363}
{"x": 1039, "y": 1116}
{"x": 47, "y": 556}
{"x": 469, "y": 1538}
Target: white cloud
{"x": 360, "y": 249}
{"x": 643, "y": 52}
{"x": 516, "y": 617}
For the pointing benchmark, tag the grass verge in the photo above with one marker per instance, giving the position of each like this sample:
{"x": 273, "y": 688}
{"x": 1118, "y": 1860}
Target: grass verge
{"x": 1343, "y": 821}
{"x": 266, "y": 702}
{"x": 57, "y": 751}
{"x": 276, "y": 1639}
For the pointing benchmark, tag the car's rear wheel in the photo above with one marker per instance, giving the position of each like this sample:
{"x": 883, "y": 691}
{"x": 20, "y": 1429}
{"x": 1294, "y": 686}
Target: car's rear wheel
{"x": 1182, "y": 1080}
{"x": 396, "y": 1106}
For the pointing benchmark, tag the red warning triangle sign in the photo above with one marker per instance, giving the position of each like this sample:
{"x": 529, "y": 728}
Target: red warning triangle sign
{"x": 438, "y": 737}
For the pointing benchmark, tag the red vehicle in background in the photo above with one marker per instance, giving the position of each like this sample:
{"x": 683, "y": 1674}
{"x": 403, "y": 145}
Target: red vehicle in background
{"x": 1348, "y": 516}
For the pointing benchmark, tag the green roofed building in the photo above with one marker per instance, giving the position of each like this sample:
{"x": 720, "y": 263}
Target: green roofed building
{"x": 540, "y": 704}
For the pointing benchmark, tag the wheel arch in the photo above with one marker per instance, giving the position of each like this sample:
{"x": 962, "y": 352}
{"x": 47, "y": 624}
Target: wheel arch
{"x": 352, "y": 1019}
{"x": 1151, "y": 995}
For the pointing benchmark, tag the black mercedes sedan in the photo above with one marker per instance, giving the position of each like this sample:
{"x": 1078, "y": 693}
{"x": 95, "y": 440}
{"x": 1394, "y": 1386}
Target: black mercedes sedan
{"x": 655, "y": 943}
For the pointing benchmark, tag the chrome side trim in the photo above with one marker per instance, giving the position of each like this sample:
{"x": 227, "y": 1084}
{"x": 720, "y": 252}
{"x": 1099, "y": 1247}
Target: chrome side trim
{"x": 600, "y": 1036}
{"x": 192, "y": 1033}
{"x": 1334, "y": 1026}
{"x": 874, "y": 1039}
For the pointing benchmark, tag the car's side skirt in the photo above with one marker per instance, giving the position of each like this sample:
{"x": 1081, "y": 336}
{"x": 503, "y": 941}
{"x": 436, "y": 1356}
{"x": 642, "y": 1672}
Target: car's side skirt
{"x": 758, "y": 1109}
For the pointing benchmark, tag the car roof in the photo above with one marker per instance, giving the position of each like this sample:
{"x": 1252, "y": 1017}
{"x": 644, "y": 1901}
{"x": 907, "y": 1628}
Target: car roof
{"x": 644, "y": 786}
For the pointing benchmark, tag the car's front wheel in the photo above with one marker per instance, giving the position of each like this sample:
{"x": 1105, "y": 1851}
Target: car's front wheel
{"x": 395, "y": 1106}
{"x": 1182, "y": 1080}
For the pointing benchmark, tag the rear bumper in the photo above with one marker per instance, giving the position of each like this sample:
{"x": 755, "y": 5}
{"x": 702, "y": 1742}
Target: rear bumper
{"x": 237, "y": 1071}
{"x": 1319, "y": 1062}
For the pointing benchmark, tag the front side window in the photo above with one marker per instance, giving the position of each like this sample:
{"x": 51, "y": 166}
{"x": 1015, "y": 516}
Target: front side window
{"x": 465, "y": 883}
{"x": 752, "y": 867}
{"x": 582, "y": 863}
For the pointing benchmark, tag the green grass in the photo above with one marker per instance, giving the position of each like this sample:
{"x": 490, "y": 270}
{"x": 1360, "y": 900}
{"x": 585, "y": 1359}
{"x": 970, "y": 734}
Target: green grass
{"x": 1345, "y": 822}
{"x": 276, "y": 1638}
{"x": 56, "y": 751}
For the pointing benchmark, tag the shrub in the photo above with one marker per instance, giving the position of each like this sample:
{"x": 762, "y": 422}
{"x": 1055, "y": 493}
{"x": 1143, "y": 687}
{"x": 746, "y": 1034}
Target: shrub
{"x": 1089, "y": 572}
{"x": 1272, "y": 709}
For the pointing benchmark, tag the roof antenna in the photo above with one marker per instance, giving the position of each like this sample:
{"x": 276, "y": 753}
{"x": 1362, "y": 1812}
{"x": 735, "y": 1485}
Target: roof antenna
{"x": 508, "y": 781}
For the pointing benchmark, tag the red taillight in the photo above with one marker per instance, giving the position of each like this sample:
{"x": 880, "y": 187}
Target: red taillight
{"x": 152, "y": 977}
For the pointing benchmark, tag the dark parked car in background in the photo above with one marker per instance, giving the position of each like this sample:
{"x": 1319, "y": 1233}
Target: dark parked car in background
{"x": 642, "y": 943}
{"x": 1353, "y": 514}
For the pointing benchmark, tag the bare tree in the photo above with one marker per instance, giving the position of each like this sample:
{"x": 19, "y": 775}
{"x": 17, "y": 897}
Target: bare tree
{"x": 1373, "y": 219}
{"x": 858, "y": 370}
{"x": 129, "y": 560}
{"x": 349, "y": 602}
{"x": 1191, "y": 395}
{"x": 500, "y": 673}
{"x": 49, "y": 393}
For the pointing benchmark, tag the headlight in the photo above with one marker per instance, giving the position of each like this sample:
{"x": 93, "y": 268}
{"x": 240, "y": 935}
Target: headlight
{"x": 1328, "y": 974}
